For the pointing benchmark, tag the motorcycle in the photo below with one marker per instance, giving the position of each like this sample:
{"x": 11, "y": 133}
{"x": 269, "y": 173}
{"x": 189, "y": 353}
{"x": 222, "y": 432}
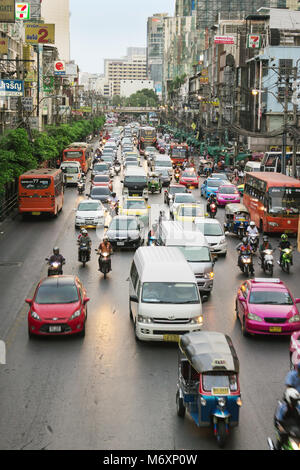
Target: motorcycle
{"x": 212, "y": 210}
{"x": 104, "y": 263}
{"x": 55, "y": 267}
{"x": 268, "y": 261}
{"x": 177, "y": 176}
{"x": 114, "y": 207}
{"x": 286, "y": 260}
{"x": 253, "y": 242}
{"x": 81, "y": 187}
{"x": 246, "y": 263}
{"x": 84, "y": 252}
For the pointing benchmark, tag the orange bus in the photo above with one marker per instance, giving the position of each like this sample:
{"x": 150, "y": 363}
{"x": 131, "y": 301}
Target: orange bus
{"x": 273, "y": 201}
{"x": 78, "y": 152}
{"x": 178, "y": 153}
{"x": 41, "y": 191}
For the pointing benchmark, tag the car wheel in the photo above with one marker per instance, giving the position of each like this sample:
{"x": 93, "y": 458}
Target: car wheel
{"x": 81, "y": 334}
{"x": 135, "y": 334}
{"x": 180, "y": 406}
{"x": 30, "y": 335}
{"x": 244, "y": 330}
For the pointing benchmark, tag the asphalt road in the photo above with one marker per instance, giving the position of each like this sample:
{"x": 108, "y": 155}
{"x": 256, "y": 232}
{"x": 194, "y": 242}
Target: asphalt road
{"x": 107, "y": 391}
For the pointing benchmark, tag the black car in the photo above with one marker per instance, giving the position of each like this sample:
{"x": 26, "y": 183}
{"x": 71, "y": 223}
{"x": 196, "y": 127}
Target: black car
{"x": 164, "y": 177}
{"x": 125, "y": 232}
{"x": 100, "y": 193}
{"x": 173, "y": 189}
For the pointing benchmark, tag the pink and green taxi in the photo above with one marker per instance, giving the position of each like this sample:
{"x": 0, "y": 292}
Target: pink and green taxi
{"x": 228, "y": 194}
{"x": 267, "y": 307}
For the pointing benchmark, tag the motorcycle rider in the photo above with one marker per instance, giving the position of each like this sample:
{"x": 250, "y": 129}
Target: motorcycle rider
{"x": 57, "y": 257}
{"x": 283, "y": 244}
{"x": 252, "y": 229}
{"x": 293, "y": 378}
{"x": 114, "y": 202}
{"x": 105, "y": 247}
{"x": 84, "y": 238}
{"x": 266, "y": 245}
{"x": 244, "y": 247}
{"x": 211, "y": 200}
{"x": 287, "y": 416}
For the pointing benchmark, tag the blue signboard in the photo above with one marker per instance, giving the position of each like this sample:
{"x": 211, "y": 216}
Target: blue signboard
{"x": 11, "y": 88}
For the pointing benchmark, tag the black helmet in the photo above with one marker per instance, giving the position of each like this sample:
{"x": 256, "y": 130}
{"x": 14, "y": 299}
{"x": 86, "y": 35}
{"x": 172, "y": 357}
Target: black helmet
{"x": 113, "y": 194}
{"x": 56, "y": 250}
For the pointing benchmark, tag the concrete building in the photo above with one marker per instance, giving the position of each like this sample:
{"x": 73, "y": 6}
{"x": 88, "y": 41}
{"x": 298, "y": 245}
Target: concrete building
{"x": 155, "y": 49}
{"x": 131, "y": 67}
{"x": 129, "y": 87}
{"x": 58, "y": 12}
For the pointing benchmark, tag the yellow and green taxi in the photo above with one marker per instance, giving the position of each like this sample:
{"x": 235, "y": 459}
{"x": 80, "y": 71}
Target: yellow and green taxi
{"x": 136, "y": 206}
{"x": 188, "y": 212}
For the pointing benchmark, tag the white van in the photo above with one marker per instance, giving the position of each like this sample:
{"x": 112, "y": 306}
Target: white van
{"x": 194, "y": 247}
{"x": 252, "y": 166}
{"x": 72, "y": 171}
{"x": 164, "y": 300}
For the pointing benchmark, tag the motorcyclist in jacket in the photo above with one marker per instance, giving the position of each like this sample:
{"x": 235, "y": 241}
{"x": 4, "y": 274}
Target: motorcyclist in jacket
{"x": 56, "y": 257}
{"x": 84, "y": 238}
{"x": 266, "y": 245}
{"x": 287, "y": 416}
{"x": 211, "y": 200}
{"x": 283, "y": 244}
{"x": 244, "y": 247}
{"x": 252, "y": 229}
{"x": 105, "y": 247}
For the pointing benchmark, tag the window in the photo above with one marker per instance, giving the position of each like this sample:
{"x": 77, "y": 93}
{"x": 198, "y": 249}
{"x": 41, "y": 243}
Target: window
{"x": 134, "y": 275}
{"x": 36, "y": 183}
{"x": 56, "y": 294}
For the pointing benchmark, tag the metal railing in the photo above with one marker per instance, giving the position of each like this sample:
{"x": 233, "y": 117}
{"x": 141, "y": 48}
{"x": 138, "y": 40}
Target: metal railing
{"x": 7, "y": 206}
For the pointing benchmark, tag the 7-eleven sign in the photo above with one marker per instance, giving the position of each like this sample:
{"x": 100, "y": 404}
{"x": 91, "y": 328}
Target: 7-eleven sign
{"x": 22, "y": 11}
{"x": 254, "y": 41}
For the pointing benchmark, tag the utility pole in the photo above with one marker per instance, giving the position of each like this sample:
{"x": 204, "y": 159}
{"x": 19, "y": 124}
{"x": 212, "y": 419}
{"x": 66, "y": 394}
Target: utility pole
{"x": 285, "y": 119}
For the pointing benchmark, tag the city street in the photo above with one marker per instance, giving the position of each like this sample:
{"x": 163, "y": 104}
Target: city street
{"x": 108, "y": 391}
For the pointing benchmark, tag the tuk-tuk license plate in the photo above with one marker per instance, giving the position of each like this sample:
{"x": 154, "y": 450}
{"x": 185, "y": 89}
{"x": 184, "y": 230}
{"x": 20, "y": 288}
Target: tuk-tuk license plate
{"x": 173, "y": 338}
{"x": 120, "y": 243}
{"x": 36, "y": 213}
{"x": 275, "y": 329}
{"x": 54, "y": 329}
{"x": 220, "y": 391}
{"x": 135, "y": 195}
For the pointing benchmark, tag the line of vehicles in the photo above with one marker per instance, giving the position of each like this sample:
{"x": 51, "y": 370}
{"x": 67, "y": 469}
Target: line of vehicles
{"x": 171, "y": 278}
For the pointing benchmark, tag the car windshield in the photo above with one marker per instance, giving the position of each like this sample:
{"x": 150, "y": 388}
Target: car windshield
{"x": 170, "y": 293}
{"x": 228, "y": 190}
{"x": 99, "y": 167}
{"x": 182, "y": 198}
{"x": 100, "y": 190}
{"x": 36, "y": 183}
{"x": 270, "y": 297}
{"x": 101, "y": 179}
{"x": 71, "y": 170}
{"x": 195, "y": 254}
{"x": 134, "y": 205}
{"x": 56, "y": 294}
{"x": 190, "y": 212}
{"x": 136, "y": 179}
{"x": 123, "y": 224}
{"x": 284, "y": 201}
{"x": 150, "y": 149}
{"x": 217, "y": 380}
{"x": 189, "y": 174}
{"x": 89, "y": 206}
{"x": 166, "y": 164}
{"x": 131, "y": 163}
{"x": 214, "y": 184}
{"x": 177, "y": 189}
{"x": 213, "y": 230}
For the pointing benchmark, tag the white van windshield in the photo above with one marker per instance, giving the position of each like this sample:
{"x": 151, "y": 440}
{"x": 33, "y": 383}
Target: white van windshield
{"x": 170, "y": 293}
{"x": 196, "y": 254}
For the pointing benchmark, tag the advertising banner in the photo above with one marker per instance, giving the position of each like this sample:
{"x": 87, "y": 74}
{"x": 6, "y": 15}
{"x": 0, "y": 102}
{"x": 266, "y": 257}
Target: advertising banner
{"x": 7, "y": 11}
{"x": 22, "y": 11}
{"x": 224, "y": 40}
{"x": 59, "y": 67}
{"x": 11, "y": 88}
{"x": 39, "y": 33}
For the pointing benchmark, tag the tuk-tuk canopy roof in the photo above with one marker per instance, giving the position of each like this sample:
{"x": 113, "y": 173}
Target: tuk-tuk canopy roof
{"x": 233, "y": 208}
{"x": 209, "y": 351}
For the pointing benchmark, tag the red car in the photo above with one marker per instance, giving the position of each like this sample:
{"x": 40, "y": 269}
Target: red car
{"x": 189, "y": 178}
{"x": 58, "y": 307}
{"x": 102, "y": 180}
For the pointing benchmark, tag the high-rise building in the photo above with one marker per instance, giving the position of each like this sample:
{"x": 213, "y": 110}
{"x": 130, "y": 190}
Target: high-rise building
{"x": 58, "y": 12}
{"x": 155, "y": 49}
{"x": 185, "y": 7}
{"x": 131, "y": 67}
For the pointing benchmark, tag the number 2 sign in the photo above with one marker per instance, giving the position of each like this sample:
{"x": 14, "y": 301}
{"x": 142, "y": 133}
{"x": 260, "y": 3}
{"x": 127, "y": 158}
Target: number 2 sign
{"x": 39, "y": 33}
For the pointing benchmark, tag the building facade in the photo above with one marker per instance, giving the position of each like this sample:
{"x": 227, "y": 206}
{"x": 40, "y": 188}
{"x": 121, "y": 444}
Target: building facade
{"x": 155, "y": 50}
{"x": 58, "y": 12}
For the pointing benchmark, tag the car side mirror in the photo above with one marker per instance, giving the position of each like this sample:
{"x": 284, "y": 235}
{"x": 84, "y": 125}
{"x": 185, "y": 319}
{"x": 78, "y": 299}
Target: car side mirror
{"x": 241, "y": 298}
{"x": 297, "y": 301}
{"x": 133, "y": 298}
{"x": 204, "y": 298}
{"x": 86, "y": 300}
{"x": 28, "y": 301}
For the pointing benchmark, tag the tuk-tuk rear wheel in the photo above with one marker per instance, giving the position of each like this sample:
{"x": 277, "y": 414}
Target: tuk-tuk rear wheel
{"x": 180, "y": 406}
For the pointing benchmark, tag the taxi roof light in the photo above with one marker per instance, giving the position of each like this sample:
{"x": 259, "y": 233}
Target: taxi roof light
{"x": 269, "y": 280}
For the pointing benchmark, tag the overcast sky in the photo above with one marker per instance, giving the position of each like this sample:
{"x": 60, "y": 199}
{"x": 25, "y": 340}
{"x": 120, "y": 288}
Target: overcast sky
{"x": 103, "y": 29}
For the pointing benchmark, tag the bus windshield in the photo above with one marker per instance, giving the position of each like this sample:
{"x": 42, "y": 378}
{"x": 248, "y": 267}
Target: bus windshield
{"x": 176, "y": 152}
{"x": 283, "y": 201}
{"x": 73, "y": 154}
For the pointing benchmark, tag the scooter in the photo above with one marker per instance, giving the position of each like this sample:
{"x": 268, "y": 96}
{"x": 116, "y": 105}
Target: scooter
{"x": 212, "y": 210}
{"x": 104, "y": 263}
{"x": 81, "y": 186}
{"x": 55, "y": 268}
{"x": 83, "y": 252}
{"x": 286, "y": 260}
{"x": 177, "y": 176}
{"x": 246, "y": 263}
{"x": 253, "y": 242}
{"x": 268, "y": 261}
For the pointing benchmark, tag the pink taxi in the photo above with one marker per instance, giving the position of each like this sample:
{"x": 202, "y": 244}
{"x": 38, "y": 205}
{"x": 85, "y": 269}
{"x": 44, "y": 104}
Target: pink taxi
{"x": 295, "y": 349}
{"x": 227, "y": 194}
{"x": 267, "y": 307}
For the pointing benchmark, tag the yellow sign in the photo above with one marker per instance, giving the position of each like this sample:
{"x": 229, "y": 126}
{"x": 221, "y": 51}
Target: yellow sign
{"x": 3, "y": 46}
{"x": 7, "y": 11}
{"x": 39, "y": 33}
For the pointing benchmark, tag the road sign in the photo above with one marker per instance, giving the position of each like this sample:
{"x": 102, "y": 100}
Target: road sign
{"x": 22, "y": 11}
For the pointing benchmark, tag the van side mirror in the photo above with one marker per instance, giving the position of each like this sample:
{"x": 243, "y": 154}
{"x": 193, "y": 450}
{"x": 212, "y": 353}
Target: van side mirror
{"x": 204, "y": 298}
{"x": 133, "y": 298}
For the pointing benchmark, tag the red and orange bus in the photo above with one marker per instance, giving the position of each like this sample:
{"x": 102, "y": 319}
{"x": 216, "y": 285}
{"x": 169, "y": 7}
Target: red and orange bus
{"x": 178, "y": 153}
{"x": 41, "y": 191}
{"x": 78, "y": 152}
{"x": 273, "y": 201}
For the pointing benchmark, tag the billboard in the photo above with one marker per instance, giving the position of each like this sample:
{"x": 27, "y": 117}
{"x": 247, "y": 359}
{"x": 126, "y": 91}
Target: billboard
{"x": 7, "y": 11}
{"x": 224, "y": 40}
{"x": 39, "y": 33}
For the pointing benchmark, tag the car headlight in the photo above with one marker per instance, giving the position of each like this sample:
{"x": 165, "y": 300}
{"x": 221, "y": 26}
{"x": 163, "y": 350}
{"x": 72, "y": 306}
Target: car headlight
{"x": 197, "y": 320}
{"x": 76, "y": 314}
{"x": 222, "y": 240}
{"x": 35, "y": 316}
{"x": 294, "y": 318}
{"x": 209, "y": 275}
{"x": 254, "y": 317}
{"x": 143, "y": 319}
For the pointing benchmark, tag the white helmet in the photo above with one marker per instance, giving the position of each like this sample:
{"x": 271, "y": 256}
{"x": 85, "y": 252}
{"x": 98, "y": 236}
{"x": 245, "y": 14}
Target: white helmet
{"x": 291, "y": 396}
{"x": 252, "y": 223}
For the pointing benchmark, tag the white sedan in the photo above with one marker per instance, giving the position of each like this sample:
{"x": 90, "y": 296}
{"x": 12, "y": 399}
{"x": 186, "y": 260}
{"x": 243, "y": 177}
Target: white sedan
{"x": 90, "y": 214}
{"x": 214, "y": 234}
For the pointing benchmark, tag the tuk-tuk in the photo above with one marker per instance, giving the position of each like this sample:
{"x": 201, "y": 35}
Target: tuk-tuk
{"x": 154, "y": 183}
{"x": 237, "y": 219}
{"x": 208, "y": 384}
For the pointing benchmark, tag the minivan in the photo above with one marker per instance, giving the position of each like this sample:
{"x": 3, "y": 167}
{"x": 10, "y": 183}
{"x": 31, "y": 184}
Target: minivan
{"x": 164, "y": 300}
{"x": 194, "y": 247}
{"x": 72, "y": 171}
{"x": 135, "y": 182}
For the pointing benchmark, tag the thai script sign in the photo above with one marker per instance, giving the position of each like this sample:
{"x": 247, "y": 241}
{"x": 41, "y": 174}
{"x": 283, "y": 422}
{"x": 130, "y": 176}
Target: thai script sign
{"x": 11, "y": 88}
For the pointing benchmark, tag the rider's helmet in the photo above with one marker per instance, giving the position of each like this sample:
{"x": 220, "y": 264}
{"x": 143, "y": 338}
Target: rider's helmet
{"x": 113, "y": 194}
{"x": 265, "y": 238}
{"x": 292, "y": 396}
{"x": 284, "y": 237}
{"x": 245, "y": 240}
{"x": 252, "y": 223}
{"x": 84, "y": 232}
{"x": 56, "y": 250}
